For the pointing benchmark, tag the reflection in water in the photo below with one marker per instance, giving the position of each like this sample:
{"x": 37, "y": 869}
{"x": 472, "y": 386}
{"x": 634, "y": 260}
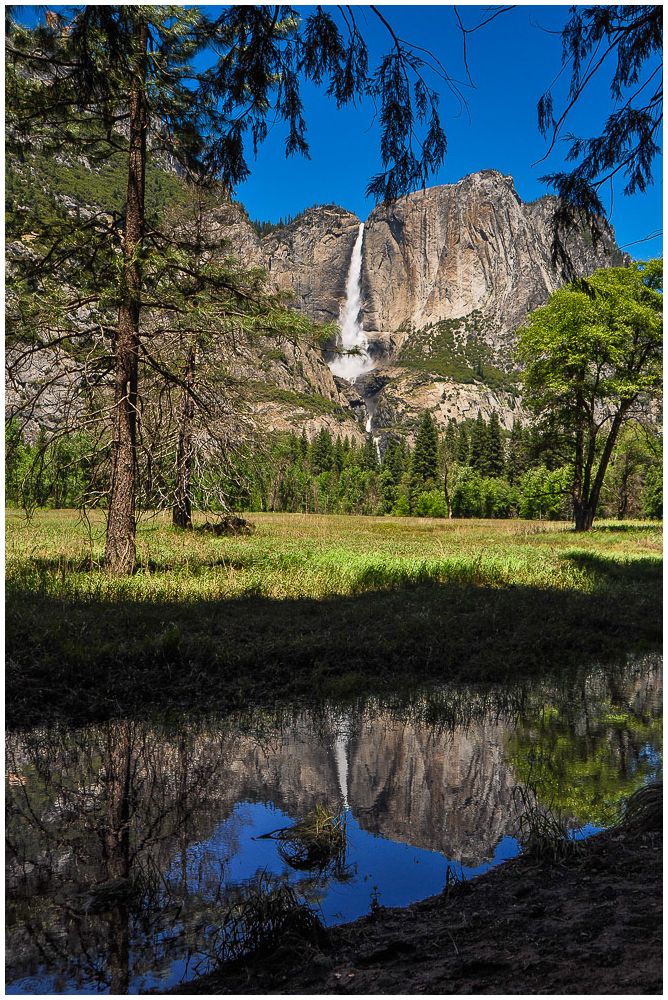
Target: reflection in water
{"x": 126, "y": 841}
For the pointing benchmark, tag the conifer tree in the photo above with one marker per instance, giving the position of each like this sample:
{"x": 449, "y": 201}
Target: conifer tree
{"x": 393, "y": 461}
{"x": 304, "y": 446}
{"x": 322, "y": 452}
{"x": 370, "y": 457}
{"x": 478, "y": 445}
{"x": 424, "y": 461}
{"x": 462, "y": 445}
{"x": 495, "y": 459}
{"x": 450, "y": 442}
{"x": 338, "y": 457}
{"x": 516, "y": 461}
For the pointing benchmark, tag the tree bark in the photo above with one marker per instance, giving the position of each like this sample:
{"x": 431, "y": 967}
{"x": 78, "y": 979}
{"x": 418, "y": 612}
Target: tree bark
{"x": 445, "y": 490}
{"x": 120, "y": 550}
{"x": 585, "y": 508}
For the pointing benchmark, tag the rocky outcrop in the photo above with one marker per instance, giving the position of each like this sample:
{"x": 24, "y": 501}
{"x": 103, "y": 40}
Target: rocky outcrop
{"x": 229, "y": 223}
{"x": 311, "y": 257}
{"x": 398, "y": 398}
{"x": 444, "y": 252}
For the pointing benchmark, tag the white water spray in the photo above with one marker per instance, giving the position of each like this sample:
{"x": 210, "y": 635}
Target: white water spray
{"x": 376, "y": 440}
{"x": 349, "y": 366}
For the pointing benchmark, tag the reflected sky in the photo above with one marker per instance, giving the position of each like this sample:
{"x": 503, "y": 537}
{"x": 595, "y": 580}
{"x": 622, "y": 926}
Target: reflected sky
{"x": 127, "y": 841}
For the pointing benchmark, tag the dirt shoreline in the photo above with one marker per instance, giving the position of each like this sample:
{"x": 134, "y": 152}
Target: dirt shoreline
{"x": 590, "y": 923}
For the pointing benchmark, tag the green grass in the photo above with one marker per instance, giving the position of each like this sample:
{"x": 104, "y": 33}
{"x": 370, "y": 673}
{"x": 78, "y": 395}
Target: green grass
{"x": 313, "y": 606}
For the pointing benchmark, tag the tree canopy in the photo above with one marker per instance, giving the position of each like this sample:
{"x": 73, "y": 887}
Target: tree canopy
{"x": 625, "y": 40}
{"x": 593, "y": 360}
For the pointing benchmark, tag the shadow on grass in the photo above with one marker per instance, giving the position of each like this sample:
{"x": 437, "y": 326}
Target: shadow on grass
{"x": 87, "y": 660}
{"x": 624, "y": 527}
{"x": 629, "y": 572}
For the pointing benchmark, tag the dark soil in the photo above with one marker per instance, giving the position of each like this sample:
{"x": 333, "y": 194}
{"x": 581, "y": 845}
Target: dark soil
{"x": 590, "y": 924}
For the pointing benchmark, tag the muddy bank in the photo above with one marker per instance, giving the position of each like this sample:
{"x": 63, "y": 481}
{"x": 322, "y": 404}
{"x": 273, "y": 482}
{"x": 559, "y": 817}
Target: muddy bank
{"x": 590, "y": 923}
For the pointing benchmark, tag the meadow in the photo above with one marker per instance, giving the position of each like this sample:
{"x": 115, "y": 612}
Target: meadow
{"x": 313, "y": 606}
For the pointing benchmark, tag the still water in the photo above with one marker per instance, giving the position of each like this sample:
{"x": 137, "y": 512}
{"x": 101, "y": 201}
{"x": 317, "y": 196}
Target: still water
{"x": 128, "y": 841}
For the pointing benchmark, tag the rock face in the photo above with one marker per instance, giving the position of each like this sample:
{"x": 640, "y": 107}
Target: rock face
{"x": 311, "y": 257}
{"x": 442, "y": 253}
{"x": 449, "y": 274}
{"x": 230, "y": 223}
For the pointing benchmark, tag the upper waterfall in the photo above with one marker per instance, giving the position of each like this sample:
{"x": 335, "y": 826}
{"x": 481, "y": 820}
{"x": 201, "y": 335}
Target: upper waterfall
{"x": 349, "y": 366}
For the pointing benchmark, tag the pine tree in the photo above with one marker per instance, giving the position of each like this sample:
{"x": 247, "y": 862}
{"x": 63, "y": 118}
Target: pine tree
{"x": 97, "y": 82}
{"x": 322, "y": 452}
{"x": 424, "y": 461}
{"x": 462, "y": 445}
{"x": 393, "y": 460}
{"x": 370, "y": 456}
{"x": 450, "y": 442}
{"x": 478, "y": 445}
{"x": 304, "y": 446}
{"x": 495, "y": 460}
{"x": 339, "y": 455}
{"x": 516, "y": 462}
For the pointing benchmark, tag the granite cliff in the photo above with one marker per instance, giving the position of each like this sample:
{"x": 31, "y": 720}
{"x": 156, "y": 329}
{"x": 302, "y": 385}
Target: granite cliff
{"x": 449, "y": 274}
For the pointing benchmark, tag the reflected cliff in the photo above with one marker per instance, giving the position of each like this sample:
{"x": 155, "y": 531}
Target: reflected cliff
{"x": 124, "y": 840}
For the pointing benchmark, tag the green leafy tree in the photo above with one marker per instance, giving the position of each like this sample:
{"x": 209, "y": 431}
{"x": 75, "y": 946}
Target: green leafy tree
{"x": 431, "y": 503}
{"x": 636, "y": 452}
{"x": 652, "y": 496}
{"x": 544, "y": 493}
{"x": 593, "y": 360}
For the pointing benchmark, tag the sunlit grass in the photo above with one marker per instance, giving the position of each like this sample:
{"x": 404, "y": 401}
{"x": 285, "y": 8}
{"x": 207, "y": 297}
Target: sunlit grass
{"x": 311, "y": 606}
{"x": 302, "y": 556}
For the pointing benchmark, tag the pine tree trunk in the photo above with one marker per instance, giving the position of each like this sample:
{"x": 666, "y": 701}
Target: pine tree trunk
{"x": 447, "y": 494}
{"x": 120, "y": 550}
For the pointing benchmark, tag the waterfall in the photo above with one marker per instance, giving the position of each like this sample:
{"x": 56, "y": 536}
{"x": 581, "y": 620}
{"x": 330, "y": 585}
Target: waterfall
{"x": 376, "y": 440}
{"x": 349, "y": 366}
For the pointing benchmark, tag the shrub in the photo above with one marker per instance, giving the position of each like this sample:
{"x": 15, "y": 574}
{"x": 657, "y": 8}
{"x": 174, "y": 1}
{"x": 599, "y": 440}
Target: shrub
{"x": 401, "y": 507}
{"x": 430, "y": 504}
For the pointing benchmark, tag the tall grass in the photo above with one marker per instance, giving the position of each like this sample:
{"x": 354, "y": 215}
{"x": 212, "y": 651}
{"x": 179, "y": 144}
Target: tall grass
{"x": 307, "y": 556}
{"x": 312, "y": 605}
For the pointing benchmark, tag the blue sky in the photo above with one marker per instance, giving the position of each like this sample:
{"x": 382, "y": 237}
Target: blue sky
{"x": 512, "y": 61}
